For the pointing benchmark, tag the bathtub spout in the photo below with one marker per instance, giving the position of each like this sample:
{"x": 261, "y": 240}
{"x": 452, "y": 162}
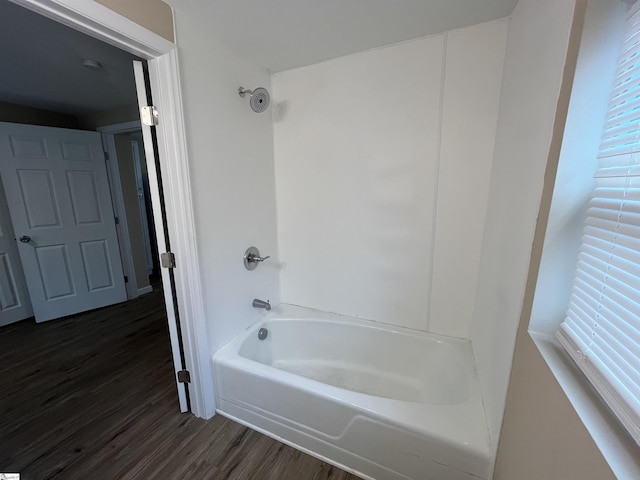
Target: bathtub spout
{"x": 257, "y": 303}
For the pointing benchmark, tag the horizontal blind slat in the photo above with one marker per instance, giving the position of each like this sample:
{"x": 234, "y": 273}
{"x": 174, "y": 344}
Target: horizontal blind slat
{"x": 626, "y": 334}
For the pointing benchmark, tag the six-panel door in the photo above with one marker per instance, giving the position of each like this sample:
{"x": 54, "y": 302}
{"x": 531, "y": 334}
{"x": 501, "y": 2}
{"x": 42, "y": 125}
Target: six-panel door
{"x": 58, "y": 196}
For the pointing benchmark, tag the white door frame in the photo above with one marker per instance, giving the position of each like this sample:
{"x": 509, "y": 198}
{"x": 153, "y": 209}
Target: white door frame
{"x": 144, "y": 195}
{"x": 104, "y": 24}
{"x": 113, "y": 169}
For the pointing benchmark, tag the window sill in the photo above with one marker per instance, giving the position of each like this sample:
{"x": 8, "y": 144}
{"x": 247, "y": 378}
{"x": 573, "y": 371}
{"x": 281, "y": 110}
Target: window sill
{"x": 618, "y": 448}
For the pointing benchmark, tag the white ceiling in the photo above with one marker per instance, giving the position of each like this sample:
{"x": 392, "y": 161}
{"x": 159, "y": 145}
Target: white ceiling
{"x": 284, "y": 34}
{"x": 41, "y": 66}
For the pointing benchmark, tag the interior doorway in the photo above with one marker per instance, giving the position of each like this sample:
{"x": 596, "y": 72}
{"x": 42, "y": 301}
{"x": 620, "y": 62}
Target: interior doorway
{"x": 149, "y": 261}
{"x": 131, "y": 197}
{"x": 162, "y": 58}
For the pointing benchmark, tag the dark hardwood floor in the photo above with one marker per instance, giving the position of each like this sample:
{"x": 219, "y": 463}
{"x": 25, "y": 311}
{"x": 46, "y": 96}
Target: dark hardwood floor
{"x": 93, "y": 397}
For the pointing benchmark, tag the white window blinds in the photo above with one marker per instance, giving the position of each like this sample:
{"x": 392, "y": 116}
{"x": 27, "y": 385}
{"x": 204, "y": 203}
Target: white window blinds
{"x": 601, "y": 330}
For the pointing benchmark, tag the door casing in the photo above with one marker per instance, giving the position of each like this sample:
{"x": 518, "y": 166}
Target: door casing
{"x": 104, "y": 24}
{"x": 109, "y": 146}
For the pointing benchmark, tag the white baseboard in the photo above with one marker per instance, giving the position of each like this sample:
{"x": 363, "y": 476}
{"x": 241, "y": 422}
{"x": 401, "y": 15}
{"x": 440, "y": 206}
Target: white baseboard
{"x": 143, "y": 290}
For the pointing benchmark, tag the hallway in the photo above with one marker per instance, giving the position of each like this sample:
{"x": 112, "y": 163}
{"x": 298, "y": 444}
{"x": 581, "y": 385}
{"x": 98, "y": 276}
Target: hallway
{"x": 92, "y": 396}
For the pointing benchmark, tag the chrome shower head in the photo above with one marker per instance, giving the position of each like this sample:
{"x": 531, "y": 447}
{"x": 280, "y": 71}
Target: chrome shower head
{"x": 259, "y": 100}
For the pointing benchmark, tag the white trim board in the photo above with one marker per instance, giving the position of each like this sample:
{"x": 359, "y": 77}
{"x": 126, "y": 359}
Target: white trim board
{"x": 108, "y": 142}
{"x": 165, "y": 85}
{"x": 145, "y": 290}
{"x": 117, "y": 199}
{"x": 104, "y": 24}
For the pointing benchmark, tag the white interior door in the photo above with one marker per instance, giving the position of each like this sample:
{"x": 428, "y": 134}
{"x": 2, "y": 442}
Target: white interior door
{"x": 162, "y": 238}
{"x": 58, "y": 195}
{"x": 14, "y": 297}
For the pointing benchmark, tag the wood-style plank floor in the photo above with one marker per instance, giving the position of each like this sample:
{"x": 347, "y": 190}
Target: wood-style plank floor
{"x": 92, "y": 397}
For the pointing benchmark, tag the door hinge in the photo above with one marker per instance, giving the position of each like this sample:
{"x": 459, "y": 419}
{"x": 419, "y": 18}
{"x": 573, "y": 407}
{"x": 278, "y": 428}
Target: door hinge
{"x": 117, "y": 220}
{"x": 149, "y": 116}
{"x": 184, "y": 376}
{"x": 106, "y": 155}
{"x": 168, "y": 260}
{"x": 126, "y": 279}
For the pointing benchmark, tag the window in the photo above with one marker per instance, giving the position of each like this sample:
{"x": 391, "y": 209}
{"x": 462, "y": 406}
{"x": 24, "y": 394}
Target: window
{"x": 601, "y": 330}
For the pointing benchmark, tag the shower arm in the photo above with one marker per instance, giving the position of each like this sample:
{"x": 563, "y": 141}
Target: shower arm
{"x": 243, "y": 91}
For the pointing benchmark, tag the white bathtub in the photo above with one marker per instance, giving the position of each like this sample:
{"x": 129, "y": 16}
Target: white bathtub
{"x": 381, "y": 402}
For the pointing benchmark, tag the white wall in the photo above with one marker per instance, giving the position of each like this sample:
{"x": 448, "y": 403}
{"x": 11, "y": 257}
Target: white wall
{"x": 536, "y": 50}
{"x": 356, "y": 154}
{"x": 374, "y": 150}
{"x": 231, "y": 155}
{"x": 471, "y": 98}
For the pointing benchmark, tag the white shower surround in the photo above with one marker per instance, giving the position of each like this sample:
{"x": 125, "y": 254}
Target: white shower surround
{"x": 319, "y": 383}
{"x": 382, "y": 162}
{"x": 234, "y": 195}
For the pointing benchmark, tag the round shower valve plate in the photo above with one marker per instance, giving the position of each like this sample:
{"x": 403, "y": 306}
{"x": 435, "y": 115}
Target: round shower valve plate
{"x": 252, "y": 258}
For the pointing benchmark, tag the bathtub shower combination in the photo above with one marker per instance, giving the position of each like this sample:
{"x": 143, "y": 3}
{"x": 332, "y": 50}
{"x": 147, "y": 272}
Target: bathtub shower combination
{"x": 379, "y": 401}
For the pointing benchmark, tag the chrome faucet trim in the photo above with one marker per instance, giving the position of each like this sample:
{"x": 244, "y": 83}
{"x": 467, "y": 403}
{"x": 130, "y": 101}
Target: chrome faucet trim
{"x": 252, "y": 258}
{"x": 257, "y": 303}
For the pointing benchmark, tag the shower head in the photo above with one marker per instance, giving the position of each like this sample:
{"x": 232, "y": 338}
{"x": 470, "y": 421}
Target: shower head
{"x": 259, "y": 100}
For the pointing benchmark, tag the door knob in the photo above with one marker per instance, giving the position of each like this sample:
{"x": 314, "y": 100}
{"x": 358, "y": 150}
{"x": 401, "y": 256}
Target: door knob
{"x": 25, "y": 239}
